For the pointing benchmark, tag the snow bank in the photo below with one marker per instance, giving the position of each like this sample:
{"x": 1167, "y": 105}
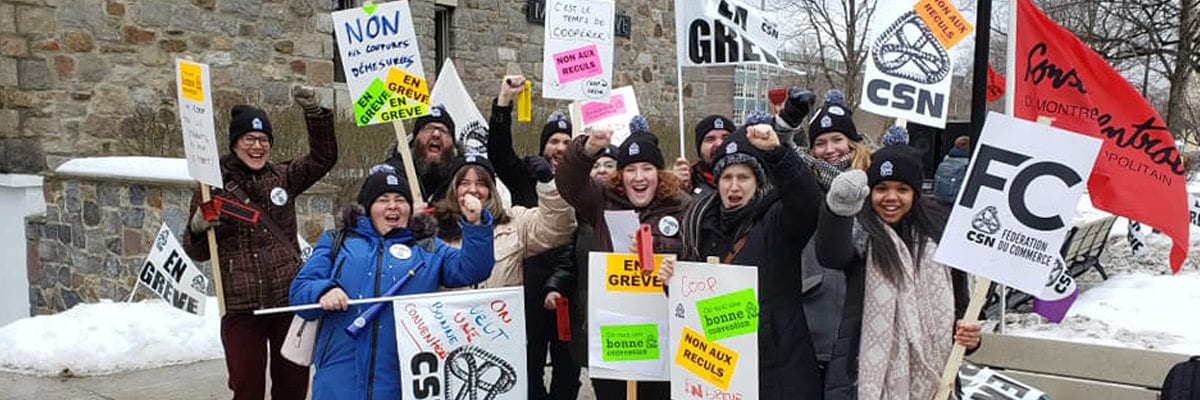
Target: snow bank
{"x": 107, "y": 337}
{"x": 1137, "y": 310}
{"x": 154, "y": 169}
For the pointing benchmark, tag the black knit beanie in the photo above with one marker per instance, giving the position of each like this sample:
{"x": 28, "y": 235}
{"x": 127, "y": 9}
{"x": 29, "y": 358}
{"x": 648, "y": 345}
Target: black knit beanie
{"x": 896, "y": 163}
{"x": 244, "y": 118}
{"x": 709, "y": 124}
{"x": 833, "y": 116}
{"x": 737, "y": 150}
{"x": 383, "y": 179}
{"x": 474, "y": 159}
{"x": 640, "y": 146}
{"x": 557, "y": 123}
{"x": 437, "y": 113}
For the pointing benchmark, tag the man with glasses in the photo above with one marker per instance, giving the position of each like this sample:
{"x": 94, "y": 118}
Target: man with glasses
{"x": 434, "y": 150}
{"x": 260, "y": 259}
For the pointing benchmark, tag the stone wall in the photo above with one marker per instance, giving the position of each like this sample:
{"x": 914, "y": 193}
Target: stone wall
{"x": 91, "y": 242}
{"x": 96, "y": 77}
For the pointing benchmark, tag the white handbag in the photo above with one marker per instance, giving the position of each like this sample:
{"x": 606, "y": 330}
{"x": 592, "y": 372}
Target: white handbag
{"x": 301, "y": 338}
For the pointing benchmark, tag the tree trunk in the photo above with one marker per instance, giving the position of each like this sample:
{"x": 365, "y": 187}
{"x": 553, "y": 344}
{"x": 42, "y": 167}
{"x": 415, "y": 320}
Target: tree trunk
{"x": 1176, "y": 103}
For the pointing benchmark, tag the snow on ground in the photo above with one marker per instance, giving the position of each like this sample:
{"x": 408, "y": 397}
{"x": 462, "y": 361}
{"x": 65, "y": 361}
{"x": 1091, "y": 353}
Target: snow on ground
{"x": 1139, "y": 306}
{"x": 108, "y": 337}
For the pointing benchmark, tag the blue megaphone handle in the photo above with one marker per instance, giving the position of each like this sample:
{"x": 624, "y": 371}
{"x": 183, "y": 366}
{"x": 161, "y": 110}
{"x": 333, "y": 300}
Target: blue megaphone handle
{"x": 360, "y": 322}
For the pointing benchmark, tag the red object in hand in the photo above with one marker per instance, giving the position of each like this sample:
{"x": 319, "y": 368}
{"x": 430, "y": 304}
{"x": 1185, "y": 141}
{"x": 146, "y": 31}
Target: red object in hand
{"x": 645, "y": 249}
{"x": 777, "y": 95}
{"x": 564, "y": 319}
{"x": 234, "y": 209}
{"x": 209, "y": 211}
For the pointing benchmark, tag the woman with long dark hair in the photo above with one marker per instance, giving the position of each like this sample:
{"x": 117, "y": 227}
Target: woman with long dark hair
{"x": 903, "y": 309}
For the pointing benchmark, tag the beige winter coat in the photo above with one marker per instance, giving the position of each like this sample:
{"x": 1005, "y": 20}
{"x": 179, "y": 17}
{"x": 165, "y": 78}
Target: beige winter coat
{"x": 528, "y": 232}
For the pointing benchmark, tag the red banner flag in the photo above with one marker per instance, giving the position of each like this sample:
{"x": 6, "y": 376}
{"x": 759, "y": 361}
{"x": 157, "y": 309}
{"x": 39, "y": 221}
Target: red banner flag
{"x": 1139, "y": 173}
{"x": 995, "y": 85}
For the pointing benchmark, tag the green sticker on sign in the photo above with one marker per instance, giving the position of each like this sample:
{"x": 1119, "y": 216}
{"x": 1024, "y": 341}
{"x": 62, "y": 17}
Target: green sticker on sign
{"x": 729, "y": 315}
{"x": 371, "y": 103}
{"x": 370, "y": 8}
{"x": 629, "y": 342}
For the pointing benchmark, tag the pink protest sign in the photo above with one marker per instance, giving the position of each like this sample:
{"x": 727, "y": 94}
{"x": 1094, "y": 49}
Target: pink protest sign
{"x": 576, "y": 64}
{"x": 597, "y": 110}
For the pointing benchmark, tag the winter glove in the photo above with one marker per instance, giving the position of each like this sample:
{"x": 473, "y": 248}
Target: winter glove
{"x": 847, "y": 192}
{"x": 198, "y": 225}
{"x": 540, "y": 168}
{"x": 306, "y": 98}
{"x": 797, "y": 106}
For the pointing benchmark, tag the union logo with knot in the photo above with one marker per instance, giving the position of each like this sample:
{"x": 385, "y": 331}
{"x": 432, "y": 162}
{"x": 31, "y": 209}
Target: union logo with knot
{"x": 987, "y": 221}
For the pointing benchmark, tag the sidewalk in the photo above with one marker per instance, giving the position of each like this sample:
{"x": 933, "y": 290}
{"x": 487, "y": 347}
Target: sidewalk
{"x": 198, "y": 381}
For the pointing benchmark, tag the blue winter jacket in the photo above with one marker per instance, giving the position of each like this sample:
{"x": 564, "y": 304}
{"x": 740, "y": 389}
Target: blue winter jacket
{"x": 368, "y": 367}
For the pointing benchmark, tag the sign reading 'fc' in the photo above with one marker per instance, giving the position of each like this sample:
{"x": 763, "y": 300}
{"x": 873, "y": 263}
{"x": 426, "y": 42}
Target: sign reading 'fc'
{"x": 1026, "y": 174}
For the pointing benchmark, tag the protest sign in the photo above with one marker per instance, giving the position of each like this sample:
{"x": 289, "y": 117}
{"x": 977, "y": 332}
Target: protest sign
{"x": 196, "y": 122}
{"x": 980, "y": 382}
{"x": 577, "y": 60}
{"x": 1140, "y": 173}
{"x": 724, "y": 32}
{"x": 910, "y": 69}
{"x": 462, "y": 344}
{"x": 627, "y": 319}
{"x": 382, "y": 62}
{"x": 305, "y": 248}
{"x": 714, "y": 331}
{"x": 1009, "y": 220}
{"x": 471, "y": 127}
{"x": 170, "y": 274}
{"x": 615, "y": 112}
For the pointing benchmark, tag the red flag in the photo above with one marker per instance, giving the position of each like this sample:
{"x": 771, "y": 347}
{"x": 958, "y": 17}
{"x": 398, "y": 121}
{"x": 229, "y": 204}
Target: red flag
{"x": 1139, "y": 173}
{"x": 995, "y": 85}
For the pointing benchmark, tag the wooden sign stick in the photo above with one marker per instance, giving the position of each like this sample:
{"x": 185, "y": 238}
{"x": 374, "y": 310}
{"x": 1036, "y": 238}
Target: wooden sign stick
{"x": 978, "y": 297}
{"x": 410, "y": 169}
{"x": 214, "y": 259}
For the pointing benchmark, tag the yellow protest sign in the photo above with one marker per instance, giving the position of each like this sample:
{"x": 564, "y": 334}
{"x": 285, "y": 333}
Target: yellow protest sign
{"x": 407, "y": 85}
{"x": 623, "y": 273}
{"x": 944, "y": 21}
{"x": 708, "y": 360}
{"x": 191, "y": 81}
{"x": 400, "y": 107}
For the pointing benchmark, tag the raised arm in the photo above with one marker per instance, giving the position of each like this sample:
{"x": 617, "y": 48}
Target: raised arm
{"x": 551, "y": 224}
{"x": 472, "y": 263}
{"x": 574, "y": 179}
{"x": 835, "y": 225}
{"x": 322, "y": 154}
{"x": 509, "y": 167}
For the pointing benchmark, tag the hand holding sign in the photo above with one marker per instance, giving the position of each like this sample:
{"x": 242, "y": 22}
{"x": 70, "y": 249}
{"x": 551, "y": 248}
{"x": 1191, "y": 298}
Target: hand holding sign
{"x": 968, "y": 334}
{"x": 510, "y": 87}
{"x": 683, "y": 170}
{"x": 666, "y": 270}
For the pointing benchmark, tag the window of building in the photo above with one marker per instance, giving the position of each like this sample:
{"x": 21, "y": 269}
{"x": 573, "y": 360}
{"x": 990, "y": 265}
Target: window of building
{"x": 339, "y": 75}
{"x": 443, "y": 21}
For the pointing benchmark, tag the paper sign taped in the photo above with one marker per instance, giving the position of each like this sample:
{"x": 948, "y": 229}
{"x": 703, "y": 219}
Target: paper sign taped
{"x": 629, "y": 342}
{"x": 191, "y": 83}
{"x": 372, "y": 101}
{"x": 708, "y": 360}
{"x": 944, "y": 21}
{"x": 623, "y": 273}
{"x": 597, "y": 110}
{"x": 729, "y": 315}
{"x": 406, "y": 85}
{"x": 579, "y": 63}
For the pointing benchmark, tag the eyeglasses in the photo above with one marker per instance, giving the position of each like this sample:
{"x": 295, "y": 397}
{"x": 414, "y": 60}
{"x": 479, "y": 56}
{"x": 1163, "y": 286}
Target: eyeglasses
{"x": 430, "y": 129}
{"x": 251, "y": 140}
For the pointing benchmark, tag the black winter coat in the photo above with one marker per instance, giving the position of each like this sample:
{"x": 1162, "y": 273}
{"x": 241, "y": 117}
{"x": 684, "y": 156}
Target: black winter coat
{"x": 838, "y": 251}
{"x": 785, "y": 216}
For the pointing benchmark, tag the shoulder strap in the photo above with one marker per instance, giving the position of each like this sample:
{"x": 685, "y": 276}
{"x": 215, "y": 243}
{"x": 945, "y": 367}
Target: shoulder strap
{"x": 336, "y": 237}
{"x": 263, "y": 218}
{"x": 737, "y": 248}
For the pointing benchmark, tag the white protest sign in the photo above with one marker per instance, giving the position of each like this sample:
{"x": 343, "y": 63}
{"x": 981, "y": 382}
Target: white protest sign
{"x": 909, "y": 70}
{"x": 627, "y": 319}
{"x": 722, "y": 32}
{"x": 170, "y": 274}
{"x": 620, "y": 107}
{"x": 577, "y": 60}
{"x": 471, "y": 127}
{"x": 462, "y": 344}
{"x": 382, "y": 62}
{"x": 196, "y": 121}
{"x": 979, "y": 382}
{"x": 714, "y": 331}
{"x": 1010, "y": 218}
{"x": 305, "y": 248}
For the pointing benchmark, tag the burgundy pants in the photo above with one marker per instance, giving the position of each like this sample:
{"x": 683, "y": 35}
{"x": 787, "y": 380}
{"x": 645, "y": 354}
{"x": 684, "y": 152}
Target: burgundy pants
{"x": 246, "y": 339}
